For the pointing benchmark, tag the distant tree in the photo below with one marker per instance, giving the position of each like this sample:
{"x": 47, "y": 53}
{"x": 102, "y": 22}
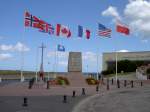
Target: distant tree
{"x": 107, "y": 72}
{"x": 125, "y": 65}
{"x": 148, "y": 71}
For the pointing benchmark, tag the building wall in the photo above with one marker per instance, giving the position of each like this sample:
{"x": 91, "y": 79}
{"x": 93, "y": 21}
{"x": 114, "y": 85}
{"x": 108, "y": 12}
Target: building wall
{"x": 145, "y": 55}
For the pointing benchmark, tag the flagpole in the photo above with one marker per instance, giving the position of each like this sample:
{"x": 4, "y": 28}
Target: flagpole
{"x": 116, "y": 57}
{"x": 116, "y": 65}
{"x": 37, "y": 57}
{"x": 22, "y": 64}
{"x": 125, "y": 30}
{"x": 49, "y": 71}
{"x": 87, "y": 70}
{"x": 55, "y": 62}
{"x": 58, "y": 61}
{"x": 116, "y": 61}
{"x": 22, "y": 55}
{"x": 97, "y": 65}
{"x": 53, "y": 69}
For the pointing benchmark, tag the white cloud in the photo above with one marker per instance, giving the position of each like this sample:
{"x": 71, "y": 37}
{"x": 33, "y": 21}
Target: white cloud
{"x": 123, "y": 50}
{"x": 135, "y": 0}
{"x": 59, "y": 54}
{"x": 21, "y": 47}
{"x": 111, "y": 11}
{"x": 5, "y": 56}
{"x": 18, "y": 47}
{"x": 6, "y": 47}
{"x": 63, "y": 63}
{"x": 90, "y": 56}
{"x": 138, "y": 16}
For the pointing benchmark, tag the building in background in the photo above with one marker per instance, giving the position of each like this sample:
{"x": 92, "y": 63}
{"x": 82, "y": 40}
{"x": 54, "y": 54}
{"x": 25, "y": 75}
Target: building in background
{"x": 110, "y": 58}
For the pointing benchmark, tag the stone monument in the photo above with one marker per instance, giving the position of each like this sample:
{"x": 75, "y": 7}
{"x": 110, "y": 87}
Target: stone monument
{"x": 75, "y": 75}
{"x": 75, "y": 62}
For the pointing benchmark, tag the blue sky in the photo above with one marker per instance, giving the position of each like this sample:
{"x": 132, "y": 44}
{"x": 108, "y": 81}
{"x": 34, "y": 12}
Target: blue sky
{"x": 71, "y": 13}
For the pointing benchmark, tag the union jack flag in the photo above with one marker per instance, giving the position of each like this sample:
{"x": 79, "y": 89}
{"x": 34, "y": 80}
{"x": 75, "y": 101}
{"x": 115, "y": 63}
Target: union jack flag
{"x": 48, "y": 28}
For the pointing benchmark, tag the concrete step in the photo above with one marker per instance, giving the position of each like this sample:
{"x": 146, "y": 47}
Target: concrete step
{"x": 39, "y": 85}
{"x": 76, "y": 79}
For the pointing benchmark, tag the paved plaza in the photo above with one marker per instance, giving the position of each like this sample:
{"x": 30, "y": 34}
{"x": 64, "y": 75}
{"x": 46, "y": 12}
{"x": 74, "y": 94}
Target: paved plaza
{"x": 38, "y": 104}
{"x": 40, "y": 99}
{"x": 124, "y": 100}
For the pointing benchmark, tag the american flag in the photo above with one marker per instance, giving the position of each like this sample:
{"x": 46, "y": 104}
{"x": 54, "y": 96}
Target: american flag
{"x": 103, "y": 31}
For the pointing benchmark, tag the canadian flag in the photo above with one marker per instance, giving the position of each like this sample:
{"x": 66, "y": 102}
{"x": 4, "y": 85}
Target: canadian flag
{"x": 63, "y": 30}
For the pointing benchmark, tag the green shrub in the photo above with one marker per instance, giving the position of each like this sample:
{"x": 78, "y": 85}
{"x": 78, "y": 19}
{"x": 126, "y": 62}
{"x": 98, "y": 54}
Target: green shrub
{"x": 62, "y": 80}
{"x": 91, "y": 81}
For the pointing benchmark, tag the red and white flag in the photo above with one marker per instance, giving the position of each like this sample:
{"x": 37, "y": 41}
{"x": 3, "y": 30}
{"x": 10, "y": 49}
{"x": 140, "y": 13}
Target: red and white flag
{"x": 122, "y": 28}
{"x": 63, "y": 30}
{"x": 47, "y": 28}
{"x": 33, "y": 21}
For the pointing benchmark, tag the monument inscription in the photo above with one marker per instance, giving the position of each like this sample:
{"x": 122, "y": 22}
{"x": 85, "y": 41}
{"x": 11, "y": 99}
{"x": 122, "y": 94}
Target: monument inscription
{"x": 75, "y": 62}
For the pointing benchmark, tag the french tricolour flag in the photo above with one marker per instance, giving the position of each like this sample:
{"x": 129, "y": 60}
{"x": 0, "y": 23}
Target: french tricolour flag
{"x": 83, "y": 32}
